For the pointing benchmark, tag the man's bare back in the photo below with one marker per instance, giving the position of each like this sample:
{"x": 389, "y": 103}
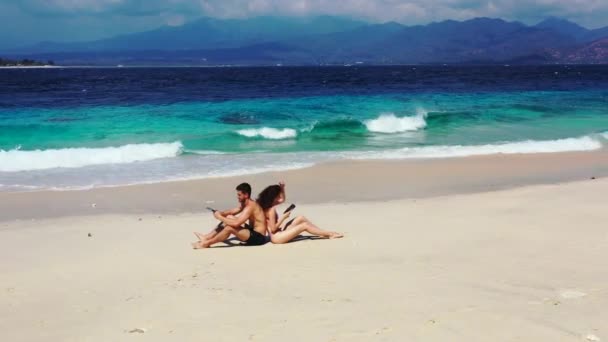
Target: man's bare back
{"x": 257, "y": 219}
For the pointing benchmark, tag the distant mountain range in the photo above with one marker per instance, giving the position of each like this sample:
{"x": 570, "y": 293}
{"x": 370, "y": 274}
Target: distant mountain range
{"x": 330, "y": 40}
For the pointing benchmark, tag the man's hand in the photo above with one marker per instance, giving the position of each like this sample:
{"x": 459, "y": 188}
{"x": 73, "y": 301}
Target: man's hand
{"x": 218, "y": 215}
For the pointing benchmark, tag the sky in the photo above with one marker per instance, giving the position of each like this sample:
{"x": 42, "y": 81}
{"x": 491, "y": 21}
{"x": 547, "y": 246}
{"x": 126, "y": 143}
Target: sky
{"x": 25, "y": 22}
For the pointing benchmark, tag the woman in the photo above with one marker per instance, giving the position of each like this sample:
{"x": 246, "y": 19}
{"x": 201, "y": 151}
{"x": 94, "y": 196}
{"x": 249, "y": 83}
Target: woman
{"x": 274, "y": 195}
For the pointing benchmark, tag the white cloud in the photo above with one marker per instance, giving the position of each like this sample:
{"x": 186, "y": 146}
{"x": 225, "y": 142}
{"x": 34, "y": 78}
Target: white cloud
{"x": 175, "y": 20}
{"x": 591, "y": 12}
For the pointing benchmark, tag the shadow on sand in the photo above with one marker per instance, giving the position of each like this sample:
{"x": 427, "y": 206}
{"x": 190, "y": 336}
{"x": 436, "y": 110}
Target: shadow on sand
{"x": 234, "y": 242}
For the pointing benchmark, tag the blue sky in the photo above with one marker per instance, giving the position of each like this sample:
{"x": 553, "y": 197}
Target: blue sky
{"x": 24, "y": 22}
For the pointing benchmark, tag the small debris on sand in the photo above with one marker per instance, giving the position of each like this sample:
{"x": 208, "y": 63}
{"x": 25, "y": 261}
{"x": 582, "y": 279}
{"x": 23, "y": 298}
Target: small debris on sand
{"x": 89, "y": 235}
{"x": 137, "y": 330}
{"x": 593, "y": 338}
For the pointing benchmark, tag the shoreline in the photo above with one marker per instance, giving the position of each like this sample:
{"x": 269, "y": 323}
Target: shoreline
{"x": 343, "y": 181}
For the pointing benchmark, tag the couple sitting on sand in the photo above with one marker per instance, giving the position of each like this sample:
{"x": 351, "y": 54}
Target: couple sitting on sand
{"x": 253, "y": 220}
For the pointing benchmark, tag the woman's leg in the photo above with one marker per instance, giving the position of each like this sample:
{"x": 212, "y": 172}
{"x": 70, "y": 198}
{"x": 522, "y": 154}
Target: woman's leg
{"x": 296, "y": 229}
{"x": 302, "y": 219}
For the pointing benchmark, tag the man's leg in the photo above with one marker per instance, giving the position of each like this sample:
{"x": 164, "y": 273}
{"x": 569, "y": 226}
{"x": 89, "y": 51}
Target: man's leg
{"x": 213, "y": 231}
{"x": 211, "y": 234}
{"x": 241, "y": 233}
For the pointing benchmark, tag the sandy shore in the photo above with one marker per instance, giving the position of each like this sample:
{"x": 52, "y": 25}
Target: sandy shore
{"x": 351, "y": 181}
{"x": 526, "y": 264}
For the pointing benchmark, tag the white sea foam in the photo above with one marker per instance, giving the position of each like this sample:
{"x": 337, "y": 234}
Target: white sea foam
{"x": 114, "y": 166}
{"x": 204, "y": 152}
{"x": 390, "y": 123}
{"x": 21, "y": 160}
{"x": 585, "y": 143}
{"x": 268, "y": 133}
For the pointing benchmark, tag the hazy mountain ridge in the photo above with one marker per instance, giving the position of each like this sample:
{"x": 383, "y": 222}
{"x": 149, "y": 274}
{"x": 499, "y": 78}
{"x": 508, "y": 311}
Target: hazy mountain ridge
{"x": 334, "y": 40}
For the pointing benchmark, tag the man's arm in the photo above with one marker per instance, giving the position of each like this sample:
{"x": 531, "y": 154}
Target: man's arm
{"x": 234, "y": 221}
{"x": 232, "y": 212}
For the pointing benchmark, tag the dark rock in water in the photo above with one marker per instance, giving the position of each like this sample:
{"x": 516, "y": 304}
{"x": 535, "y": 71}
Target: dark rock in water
{"x": 63, "y": 119}
{"x": 239, "y": 119}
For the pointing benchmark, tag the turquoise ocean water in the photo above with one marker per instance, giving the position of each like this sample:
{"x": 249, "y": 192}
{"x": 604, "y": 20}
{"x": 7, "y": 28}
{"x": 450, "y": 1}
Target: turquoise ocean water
{"x": 59, "y": 131}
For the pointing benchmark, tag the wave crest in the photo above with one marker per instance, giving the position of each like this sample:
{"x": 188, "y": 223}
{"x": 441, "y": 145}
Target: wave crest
{"x": 268, "y": 133}
{"x": 390, "y": 123}
{"x": 20, "y": 160}
{"x": 585, "y": 143}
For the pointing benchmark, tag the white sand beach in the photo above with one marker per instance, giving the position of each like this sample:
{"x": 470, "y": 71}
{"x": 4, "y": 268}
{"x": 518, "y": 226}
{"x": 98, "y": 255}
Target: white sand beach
{"x": 519, "y": 264}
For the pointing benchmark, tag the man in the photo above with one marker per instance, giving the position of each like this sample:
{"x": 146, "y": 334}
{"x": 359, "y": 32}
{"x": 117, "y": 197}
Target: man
{"x": 247, "y": 222}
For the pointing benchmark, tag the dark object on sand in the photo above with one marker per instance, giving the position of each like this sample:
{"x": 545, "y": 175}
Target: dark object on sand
{"x": 137, "y": 330}
{"x": 290, "y": 208}
{"x": 90, "y": 235}
{"x": 592, "y": 178}
{"x": 211, "y": 209}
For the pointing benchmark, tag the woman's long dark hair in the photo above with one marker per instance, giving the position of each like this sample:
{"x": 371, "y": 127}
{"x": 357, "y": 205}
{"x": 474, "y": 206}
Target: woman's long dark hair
{"x": 267, "y": 196}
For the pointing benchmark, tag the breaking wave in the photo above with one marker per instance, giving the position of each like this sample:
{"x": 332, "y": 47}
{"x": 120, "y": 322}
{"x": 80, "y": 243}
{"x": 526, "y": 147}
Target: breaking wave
{"x": 20, "y": 160}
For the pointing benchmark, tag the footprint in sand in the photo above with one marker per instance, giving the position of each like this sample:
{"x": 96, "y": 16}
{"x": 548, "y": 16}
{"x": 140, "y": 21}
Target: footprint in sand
{"x": 383, "y": 330}
{"x": 572, "y": 294}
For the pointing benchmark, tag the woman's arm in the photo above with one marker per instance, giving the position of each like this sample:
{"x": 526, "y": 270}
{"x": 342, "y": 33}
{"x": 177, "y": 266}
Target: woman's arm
{"x": 282, "y": 185}
{"x": 271, "y": 221}
{"x": 283, "y": 218}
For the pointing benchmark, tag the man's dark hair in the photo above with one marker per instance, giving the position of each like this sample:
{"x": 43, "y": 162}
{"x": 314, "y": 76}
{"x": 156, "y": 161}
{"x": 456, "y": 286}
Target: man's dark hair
{"x": 244, "y": 188}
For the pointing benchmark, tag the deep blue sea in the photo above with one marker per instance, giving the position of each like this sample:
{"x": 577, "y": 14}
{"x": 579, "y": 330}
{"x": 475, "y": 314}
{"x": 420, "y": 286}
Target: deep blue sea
{"x": 72, "y": 128}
